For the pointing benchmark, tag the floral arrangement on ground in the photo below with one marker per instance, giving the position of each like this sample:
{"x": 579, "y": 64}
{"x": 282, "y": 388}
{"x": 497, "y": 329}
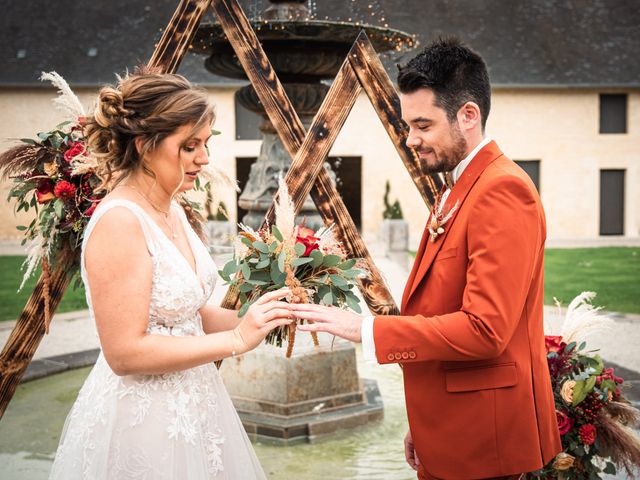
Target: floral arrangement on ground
{"x": 594, "y": 418}
{"x": 312, "y": 264}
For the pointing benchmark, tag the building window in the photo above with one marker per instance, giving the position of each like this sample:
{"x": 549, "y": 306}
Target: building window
{"x": 612, "y": 202}
{"x": 247, "y": 123}
{"x": 532, "y": 167}
{"x": 613, "y": 113}
{"x": 348, "y": 172}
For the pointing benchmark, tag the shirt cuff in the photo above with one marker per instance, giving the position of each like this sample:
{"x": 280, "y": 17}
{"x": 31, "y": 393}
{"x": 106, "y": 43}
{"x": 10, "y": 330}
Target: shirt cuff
{"x": 368, "y": 345}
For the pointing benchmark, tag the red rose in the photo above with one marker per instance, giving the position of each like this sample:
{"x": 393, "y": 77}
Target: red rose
{"x": 565, "y": 424}
{"x": 76, "y": 148}
{"x": 44, "y": 192}
{"x": 306, "y": 237}
{"x": 310, "y": 243}
{"x": 554, "y": 343}
{"x": 64, "y": 190}
{"x": 587, "y": 434}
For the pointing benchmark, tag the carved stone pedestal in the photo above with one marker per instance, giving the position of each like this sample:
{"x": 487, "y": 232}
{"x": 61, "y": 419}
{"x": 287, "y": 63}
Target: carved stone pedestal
{"x": 290, "y": 400}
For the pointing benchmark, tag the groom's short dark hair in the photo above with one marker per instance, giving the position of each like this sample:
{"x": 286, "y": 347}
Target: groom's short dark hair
{"x": 455, "y": 73}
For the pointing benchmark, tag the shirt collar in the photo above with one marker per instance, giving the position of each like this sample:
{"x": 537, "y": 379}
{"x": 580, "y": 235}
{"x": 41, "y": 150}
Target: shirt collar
{"x": 456, "y": 173}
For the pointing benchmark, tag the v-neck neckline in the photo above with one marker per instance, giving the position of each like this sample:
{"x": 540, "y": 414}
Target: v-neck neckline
{"x": 194, "y": 270}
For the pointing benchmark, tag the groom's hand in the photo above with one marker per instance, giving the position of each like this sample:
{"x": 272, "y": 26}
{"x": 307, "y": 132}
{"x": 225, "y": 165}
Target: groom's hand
{"x": 336, "y": 321}
{"x": 410, "y": 453}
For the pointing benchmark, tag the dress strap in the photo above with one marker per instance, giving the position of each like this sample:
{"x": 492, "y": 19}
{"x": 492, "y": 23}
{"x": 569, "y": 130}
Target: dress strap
{"x": 142, "y": 216}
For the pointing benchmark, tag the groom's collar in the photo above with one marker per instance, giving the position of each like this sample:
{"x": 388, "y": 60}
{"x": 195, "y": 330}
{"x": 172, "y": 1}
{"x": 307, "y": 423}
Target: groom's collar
{"x": 456, "y": 173}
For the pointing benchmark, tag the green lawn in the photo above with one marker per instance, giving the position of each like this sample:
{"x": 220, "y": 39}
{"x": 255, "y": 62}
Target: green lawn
{"x": 612, "y": 272}
{"x": 12, "y": 303}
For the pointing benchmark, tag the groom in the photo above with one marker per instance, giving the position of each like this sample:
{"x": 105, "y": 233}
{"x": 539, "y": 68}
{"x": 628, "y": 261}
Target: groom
{"x": 470, "y": 334}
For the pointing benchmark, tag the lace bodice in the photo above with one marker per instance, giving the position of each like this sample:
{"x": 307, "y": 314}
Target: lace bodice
{"x": 177, "y": 292}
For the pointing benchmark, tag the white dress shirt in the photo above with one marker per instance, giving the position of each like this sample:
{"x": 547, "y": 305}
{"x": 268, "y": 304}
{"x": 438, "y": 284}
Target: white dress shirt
{"x": 368, "y": 344}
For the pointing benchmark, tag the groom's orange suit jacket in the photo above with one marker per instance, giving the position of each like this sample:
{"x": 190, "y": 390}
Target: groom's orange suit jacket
{"x": 470, "y": 334}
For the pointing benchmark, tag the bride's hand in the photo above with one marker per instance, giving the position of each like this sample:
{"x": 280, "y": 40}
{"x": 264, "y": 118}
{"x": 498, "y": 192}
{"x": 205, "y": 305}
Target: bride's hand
{"x": 264, "y": 315}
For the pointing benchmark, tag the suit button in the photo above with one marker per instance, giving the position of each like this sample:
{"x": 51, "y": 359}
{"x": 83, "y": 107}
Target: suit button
{"x": 398, "y": 356}
{"x": 412, "y": 355}
{"x": 405, "y": 356}
{"x": 390, "y": 357}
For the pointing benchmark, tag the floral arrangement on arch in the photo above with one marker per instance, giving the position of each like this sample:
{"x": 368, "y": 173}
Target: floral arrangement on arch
{"x": 312, "y": 264}
{"x": 54, "y": 175}
{"x": 594, "y": 418}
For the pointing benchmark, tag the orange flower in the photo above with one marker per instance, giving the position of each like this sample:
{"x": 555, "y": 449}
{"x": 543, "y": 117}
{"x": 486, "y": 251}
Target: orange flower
{"x": 563, "y": 461}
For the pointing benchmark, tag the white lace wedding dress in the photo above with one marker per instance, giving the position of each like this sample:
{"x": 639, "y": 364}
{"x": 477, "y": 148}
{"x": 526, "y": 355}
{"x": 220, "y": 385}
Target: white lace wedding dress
{"x": 178, "y": 425}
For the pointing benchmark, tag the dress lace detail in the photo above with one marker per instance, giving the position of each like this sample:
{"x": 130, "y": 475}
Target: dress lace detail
{"x": 170, "y": 426}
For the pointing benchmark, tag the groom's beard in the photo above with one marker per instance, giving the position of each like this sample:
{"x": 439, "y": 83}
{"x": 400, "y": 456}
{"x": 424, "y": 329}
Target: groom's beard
{"x": 447, "y": 159}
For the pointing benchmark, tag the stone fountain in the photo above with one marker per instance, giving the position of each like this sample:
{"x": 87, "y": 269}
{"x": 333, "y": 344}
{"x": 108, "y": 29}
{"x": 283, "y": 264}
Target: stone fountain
{"x": 318, "y": 390}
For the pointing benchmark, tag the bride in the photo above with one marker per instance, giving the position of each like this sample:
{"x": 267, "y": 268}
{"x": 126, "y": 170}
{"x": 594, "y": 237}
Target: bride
{"x": 154, "y": 405}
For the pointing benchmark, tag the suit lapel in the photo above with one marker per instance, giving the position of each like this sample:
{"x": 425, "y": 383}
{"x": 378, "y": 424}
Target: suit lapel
{"x": 416, "y": 265}
{"x": 458, "y": 194}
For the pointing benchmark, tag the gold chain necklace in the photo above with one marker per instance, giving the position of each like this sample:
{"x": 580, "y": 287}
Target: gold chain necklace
{"x": 165, "y": 214}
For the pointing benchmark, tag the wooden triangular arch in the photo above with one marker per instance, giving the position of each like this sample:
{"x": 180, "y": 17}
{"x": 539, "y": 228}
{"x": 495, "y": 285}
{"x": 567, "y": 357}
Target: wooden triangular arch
{"x": 361, "y": 70}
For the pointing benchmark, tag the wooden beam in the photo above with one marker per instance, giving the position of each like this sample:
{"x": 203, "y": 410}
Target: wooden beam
{"x": 375, "y": 81}
{"x": 289, "y": 127}
{"x": 308, "y": 162}
{"x": 178, "y": 35}
{"x": 30, "y": 328}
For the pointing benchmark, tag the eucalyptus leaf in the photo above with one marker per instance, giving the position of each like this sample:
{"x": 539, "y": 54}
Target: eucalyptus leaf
{"x": 353, "y": 302}
{"x": 230, "y": 267}
{"x": 277, "y": 233}
{"x": 351, "y": 274}
{"x": 281, "y": 258}
{"x": 261, "y": 246}
{"x": 246, "y": 271}
{"x": 317, "y": 257}
{"x": 299, "y": 248}
{"x": 337, "y": 280}
{"x": 263, "y": 263}
{"x": 243, "y": 309}
{"x": 327, "y": 299}
{"x": 276, "y": 275}
{"x": 246, "y": 241}
{"x": 301, "y": 261}
{"x": 273, "y": 246}
{"x": 246, "y": 287}
{"x": 347, "y": 264}
{"x": 331, "y": 260}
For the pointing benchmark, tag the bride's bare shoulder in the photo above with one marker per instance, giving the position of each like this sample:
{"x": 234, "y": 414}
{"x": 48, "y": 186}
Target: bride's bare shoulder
{"x": 118, "y": 229}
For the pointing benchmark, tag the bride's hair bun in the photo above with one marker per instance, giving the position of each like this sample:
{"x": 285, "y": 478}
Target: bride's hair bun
{"x": 144, "y": 104}
{"x": 110, "y": 107}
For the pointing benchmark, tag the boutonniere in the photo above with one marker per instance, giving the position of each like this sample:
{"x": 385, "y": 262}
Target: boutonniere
{"x": 439, "y": 218}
